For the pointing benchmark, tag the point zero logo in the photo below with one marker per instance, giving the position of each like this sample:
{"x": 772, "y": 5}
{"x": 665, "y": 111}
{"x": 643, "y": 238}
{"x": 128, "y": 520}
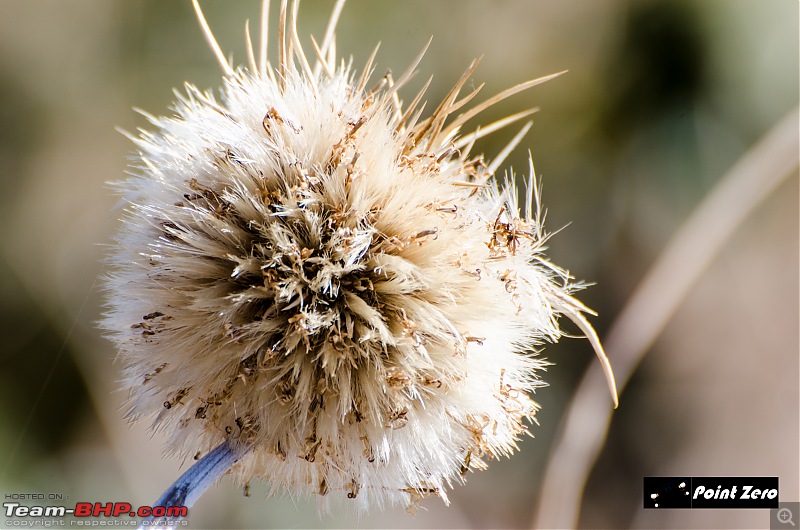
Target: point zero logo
{"x": 711, "y": 492}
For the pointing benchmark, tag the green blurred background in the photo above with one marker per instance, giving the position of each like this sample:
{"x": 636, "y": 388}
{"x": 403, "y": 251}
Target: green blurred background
{"x": 661, "y": 98}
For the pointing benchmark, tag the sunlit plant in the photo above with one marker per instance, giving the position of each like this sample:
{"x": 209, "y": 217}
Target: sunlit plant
{"x": 319, "y": 285}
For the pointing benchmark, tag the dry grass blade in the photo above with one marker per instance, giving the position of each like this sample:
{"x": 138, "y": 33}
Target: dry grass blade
{"x": 584, "y": 429}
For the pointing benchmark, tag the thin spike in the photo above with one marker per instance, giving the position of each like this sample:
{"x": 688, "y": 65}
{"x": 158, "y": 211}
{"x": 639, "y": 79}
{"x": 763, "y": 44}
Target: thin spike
{"x": 417, "y": 115}
{"x": 497, "y": 98}
{"x": 398, "y": 106}
{"x": 476, "y": 185}
{"x": 502, "y": 155}
{"x": 263, "y": 39}
{"x": 332, "y": 52}
{"x": 426, "y": 123}
{"x": 534, "y": 200}
{"x": 212, "y": 42}
{"x": 205, "y": 99}
{"x": 412, "y": 68}
{"x": 407, "y": 74}
{"x": 378, "y": 86}
{"x": 532, "y": 193}
{"x": 449, "y": 99}
{"x": 366, "y": 73}
{"x": 466, "y": 144}
{"x": 287, "y": 34}
{"x": 413, "y": 105}
{"x": 411, "y": 141}
{"x": 251, "y": 57}
{"x": 444, "y": 109}
{"x": 282, "y": 55}
{"x": 466, "y": 99}
{"x": 301, "y": 56}
{"x": 321, "y": 61}
{"x": 573, "y": 312}
{"x": 272, "y": 74}
{"x": 486, "y": 130}
{"x": 328, "y": 38}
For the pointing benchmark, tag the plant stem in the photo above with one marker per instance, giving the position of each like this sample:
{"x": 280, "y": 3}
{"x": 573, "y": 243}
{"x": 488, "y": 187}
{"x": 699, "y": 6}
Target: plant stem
{"x": 195, "y": 481}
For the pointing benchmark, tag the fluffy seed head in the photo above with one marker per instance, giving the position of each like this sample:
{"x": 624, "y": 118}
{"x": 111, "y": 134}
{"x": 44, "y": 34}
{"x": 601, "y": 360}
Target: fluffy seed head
{"x": 310, "y": 267}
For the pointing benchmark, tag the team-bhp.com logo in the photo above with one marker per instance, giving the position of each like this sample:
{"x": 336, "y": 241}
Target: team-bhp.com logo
{"x": 88, "y": 509}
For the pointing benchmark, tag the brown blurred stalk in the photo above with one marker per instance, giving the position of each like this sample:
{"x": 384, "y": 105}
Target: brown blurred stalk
{"x": 583, "y": 432}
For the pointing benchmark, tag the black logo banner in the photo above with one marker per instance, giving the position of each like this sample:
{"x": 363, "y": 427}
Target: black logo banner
{"x": 710, "y": 492}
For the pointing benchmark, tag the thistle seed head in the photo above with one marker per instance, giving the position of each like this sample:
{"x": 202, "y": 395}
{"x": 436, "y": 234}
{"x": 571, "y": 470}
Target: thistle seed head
{"x": 311, "y": 268}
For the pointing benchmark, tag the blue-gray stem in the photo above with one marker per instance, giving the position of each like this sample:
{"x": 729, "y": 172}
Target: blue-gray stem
{"x": 194, "y": 482}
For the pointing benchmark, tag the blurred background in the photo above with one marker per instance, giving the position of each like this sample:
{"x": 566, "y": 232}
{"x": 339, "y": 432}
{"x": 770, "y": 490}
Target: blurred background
{"x": 661, "y": 98}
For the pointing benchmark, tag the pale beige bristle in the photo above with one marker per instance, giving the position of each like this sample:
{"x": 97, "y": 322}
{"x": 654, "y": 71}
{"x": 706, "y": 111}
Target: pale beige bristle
{"x": 327, "y": 38}
{"x": 466, "y": 99}
{"x": 321, "y": 60}
{"x": 251, "y": 57}
{"x": 401, "y": 125}
{"x": 283, "y": 56}
{"x": 495, "y": 126}
{"x": 503, "y": 154}
{"x": 574, "y": 310}
{"x": 263, "y": 38}
{"x": 398, "y": 106}
{"x": 474, "y": 111}
{"x": 298, "y": 48}
{"x": 404, "y": 78}
{"x": 443, "y": 110}
{"x": 212, "y": 42}
{"x": 367, "y": 71}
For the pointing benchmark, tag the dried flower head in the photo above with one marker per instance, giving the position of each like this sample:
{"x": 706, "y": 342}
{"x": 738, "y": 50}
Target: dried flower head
{"x": 317, "y": 272}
